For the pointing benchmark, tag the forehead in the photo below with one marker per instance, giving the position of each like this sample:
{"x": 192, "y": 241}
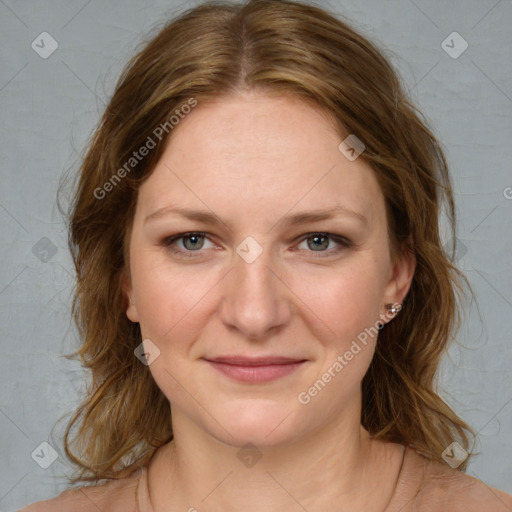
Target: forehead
{"x": 258, "y": 154}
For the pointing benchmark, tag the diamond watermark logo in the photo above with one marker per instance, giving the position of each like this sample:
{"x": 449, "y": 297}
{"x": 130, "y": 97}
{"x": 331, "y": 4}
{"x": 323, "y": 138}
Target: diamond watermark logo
{"x": 44, "y": 45}
{"x": 249, "y": 455}
{"x": 44, "y": 455}
{"x": 454, "y": 455}
{"x": 45, "y": 249}
{"x": 351, "y": 147}
{"x": 454, "y": 45}
{"x": 460, "y": 249}
{"x": 147, "y": 352}
{"x": 249, "y": 250}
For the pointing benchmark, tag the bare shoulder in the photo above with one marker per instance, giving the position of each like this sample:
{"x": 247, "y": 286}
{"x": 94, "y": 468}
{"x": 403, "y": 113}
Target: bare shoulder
{"x": 67, "y": 501}
{"x": 114, "y": 496}
{"x": 444, "y": 488}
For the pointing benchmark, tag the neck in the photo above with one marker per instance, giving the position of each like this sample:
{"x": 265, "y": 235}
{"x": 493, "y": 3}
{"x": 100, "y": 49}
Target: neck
{"x": 331, "y": 469}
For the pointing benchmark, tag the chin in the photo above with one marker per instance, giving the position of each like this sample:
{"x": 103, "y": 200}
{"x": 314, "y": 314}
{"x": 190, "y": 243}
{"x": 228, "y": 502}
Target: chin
{"x": 262, "y": 422}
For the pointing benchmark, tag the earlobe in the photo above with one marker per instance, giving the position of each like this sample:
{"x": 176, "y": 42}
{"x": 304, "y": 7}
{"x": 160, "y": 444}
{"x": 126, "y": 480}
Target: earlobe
{"x": 401, "y": 279}
{"x": 131, "y": 309}
{"x": 131, "y": 312}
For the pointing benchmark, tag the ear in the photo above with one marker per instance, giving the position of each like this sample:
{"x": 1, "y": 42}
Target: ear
{"x": 401, "y": 277}
{"x": 131, "y": 309}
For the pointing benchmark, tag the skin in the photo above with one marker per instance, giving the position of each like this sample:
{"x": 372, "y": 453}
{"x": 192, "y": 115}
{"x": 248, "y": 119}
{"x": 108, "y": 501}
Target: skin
{"x": 251, "y": 160}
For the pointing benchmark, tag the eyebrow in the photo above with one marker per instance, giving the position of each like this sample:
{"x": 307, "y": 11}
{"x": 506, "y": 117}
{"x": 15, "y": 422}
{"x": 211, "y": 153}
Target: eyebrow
{"x": 207, "y": 217}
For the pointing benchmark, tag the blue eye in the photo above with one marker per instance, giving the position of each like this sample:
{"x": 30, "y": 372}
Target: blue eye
{"x": 195, "y": 239}
{"x": 321, "y": 241}
{"x": 192, "y": 243}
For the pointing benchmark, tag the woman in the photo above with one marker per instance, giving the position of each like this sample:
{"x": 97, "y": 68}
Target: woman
{"x": 261, "y": 286}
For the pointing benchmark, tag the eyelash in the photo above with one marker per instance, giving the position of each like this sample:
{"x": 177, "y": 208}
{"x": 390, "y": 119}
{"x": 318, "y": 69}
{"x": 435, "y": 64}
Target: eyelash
{"x": 344, "y": 243}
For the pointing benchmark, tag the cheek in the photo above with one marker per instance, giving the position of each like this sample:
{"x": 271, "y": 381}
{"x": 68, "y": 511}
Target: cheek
{"x": 341, "y": 302}
{"x": 170, "y": 299}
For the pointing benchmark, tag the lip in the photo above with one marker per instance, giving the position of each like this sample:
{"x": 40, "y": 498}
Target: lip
{"x": 256, "y": 369}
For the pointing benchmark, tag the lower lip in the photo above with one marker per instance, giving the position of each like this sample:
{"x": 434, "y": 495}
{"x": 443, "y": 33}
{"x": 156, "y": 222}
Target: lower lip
{"x": 256, "y": 374}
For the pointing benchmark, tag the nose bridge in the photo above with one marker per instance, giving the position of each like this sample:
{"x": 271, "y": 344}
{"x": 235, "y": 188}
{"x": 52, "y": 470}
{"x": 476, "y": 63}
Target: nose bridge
{"x": 253, "y": 278}
{"x": 254, "y": 299}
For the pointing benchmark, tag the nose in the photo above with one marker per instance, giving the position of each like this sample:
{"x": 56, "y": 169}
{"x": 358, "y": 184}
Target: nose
{"x": 255, "y": 301}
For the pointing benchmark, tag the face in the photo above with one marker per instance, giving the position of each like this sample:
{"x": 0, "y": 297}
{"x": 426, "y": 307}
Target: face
{"x": 257, "y": 309}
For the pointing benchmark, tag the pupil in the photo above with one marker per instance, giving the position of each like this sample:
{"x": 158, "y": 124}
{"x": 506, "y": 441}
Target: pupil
{"x": 194, "y": 244}
{"x": 317, "y": 238}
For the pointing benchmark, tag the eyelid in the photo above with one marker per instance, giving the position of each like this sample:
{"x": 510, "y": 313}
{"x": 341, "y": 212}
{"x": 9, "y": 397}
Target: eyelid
{"x": 343, "y": 242}
{"x": 168, "y": 242}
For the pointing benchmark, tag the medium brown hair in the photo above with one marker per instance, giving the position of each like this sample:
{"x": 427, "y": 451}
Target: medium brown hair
{"x": 277, "y": 47}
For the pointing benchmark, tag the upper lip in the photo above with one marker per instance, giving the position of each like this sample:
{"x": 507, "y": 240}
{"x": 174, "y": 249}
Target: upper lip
{"x": 254, "y": 361}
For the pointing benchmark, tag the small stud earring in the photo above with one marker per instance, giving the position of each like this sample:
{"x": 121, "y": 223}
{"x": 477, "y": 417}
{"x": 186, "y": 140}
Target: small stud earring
{"x": 393, "y": 308}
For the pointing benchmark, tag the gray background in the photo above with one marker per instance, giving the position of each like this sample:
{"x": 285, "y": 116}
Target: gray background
{"x": 50, "y": 106}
